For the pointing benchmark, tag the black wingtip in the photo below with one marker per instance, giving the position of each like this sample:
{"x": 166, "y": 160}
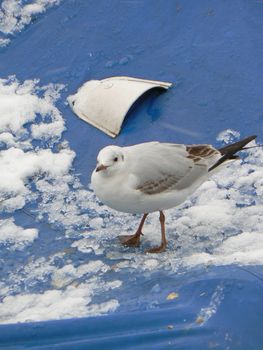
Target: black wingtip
{"x": 237, "y": 146}
{"x": 228, "y": 152}
{"x": 250, "y": 138}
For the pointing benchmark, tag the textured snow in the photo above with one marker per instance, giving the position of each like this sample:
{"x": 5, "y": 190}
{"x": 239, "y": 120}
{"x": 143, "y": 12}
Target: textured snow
{"x": 17, "y": 166}
{"x": 228, "y": 135}
{"x": 20, "y": 161}
{"x": 16, "y": 236}
{"x": 54, "y": 304}
{"x": 4, "y": 42}
{"x": 21, "y": 104}
{"x": 39, "y": 173}
{"x": 68, "y": 273}
{"x": 79, "y": 268}
{"x": 15, "y": 15}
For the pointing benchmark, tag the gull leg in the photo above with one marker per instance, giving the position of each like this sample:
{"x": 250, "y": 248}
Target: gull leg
{"x": 134, "y": 240}
{"x": 162, "y": 247}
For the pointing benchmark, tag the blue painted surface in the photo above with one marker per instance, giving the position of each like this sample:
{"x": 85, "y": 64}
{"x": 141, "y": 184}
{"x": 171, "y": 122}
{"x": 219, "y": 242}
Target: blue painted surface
{"x": 236, "y": 325}
{"x": 213, "y": 52}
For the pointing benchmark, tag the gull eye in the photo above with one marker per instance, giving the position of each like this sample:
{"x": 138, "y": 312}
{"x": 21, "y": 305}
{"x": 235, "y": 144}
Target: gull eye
{"x": 115, "y": 159}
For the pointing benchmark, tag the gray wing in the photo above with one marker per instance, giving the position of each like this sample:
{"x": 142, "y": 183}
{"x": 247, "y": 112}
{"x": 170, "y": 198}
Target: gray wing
{"x": 160, "y": 167}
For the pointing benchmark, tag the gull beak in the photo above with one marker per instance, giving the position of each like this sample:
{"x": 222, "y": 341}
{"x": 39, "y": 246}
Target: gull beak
{"x": 101, "y": 167}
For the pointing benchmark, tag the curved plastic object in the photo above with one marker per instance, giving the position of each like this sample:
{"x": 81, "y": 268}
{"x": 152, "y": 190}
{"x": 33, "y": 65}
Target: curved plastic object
{"x": 105, "y": 103}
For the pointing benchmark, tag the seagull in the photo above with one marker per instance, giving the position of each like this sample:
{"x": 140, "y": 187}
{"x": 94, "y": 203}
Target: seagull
{"x": 155, "y": 176}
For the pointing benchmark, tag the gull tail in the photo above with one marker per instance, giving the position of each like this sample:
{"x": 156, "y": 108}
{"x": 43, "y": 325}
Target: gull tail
{"x": 229, "y": 152}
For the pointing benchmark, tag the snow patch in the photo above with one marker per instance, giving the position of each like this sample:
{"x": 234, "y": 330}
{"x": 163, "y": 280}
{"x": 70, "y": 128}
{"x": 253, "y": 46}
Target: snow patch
{"x": 16, "y": 236}
{"x": 15, "y": 15}
{"x": 20, "y": 105}
{"x": 68, "y": 273}
{"x": 53, "y": 304}
{"x": 4, "y": 42}
{"x": 36, "y": 170}
{"x": 228, "y": 136}
{"x": 245, "y": 248}
{"x": 17, "y": 166}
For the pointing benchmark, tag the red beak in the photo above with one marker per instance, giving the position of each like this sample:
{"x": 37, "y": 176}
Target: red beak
{"x": 101, "y": 167}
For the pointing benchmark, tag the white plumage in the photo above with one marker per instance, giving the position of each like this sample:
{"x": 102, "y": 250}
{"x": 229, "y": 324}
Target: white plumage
{"x": 150, "y": 176}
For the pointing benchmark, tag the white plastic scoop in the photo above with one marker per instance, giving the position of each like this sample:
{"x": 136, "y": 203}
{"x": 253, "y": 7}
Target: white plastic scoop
{"x": 105, "y": 103}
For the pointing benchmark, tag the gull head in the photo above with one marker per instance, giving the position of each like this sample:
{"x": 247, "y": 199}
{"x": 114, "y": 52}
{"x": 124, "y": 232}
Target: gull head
{"x": 110, "y": 159}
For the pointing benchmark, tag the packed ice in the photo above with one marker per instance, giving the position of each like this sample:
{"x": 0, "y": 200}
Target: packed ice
{"x": 74, "y": 266}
